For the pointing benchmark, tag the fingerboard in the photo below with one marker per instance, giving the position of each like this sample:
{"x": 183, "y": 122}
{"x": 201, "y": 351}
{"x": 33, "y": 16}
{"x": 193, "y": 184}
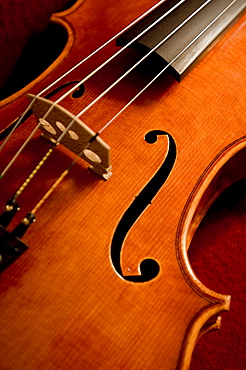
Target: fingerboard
{"x": 184, "y": 42}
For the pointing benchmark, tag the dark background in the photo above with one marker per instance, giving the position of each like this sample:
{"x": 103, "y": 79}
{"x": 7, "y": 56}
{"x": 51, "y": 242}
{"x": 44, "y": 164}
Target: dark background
{"x": 217, "y": 252}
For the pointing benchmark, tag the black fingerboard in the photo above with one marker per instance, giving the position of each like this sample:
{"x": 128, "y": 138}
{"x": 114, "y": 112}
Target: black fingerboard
{"x": 183, "y": 43}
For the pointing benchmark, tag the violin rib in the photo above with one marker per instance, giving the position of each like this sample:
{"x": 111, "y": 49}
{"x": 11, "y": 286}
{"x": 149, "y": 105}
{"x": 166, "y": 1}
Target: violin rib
{"x": 79, "y": 297}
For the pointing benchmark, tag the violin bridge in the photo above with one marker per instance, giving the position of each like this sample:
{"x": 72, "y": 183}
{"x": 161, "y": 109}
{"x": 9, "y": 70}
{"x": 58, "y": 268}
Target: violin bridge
{"x": 78, "y": 139}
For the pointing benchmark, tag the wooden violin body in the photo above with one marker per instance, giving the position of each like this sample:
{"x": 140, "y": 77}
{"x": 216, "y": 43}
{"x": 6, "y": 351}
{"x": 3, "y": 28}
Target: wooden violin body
{"x": 64, "y": 303}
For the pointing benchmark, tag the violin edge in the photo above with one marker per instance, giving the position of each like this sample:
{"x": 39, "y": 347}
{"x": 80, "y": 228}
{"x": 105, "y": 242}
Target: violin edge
{"x": 53, "y": 66}
{"x": 217, "y": 177}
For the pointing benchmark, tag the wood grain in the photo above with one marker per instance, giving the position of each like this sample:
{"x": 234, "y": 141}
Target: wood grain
{"x": 62, "y": 303}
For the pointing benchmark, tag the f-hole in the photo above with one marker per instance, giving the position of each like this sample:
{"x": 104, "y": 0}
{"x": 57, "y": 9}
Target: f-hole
{"x": 148, "y": 268}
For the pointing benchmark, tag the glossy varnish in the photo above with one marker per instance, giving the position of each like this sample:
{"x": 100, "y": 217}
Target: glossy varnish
{"x": 63, "y": 305}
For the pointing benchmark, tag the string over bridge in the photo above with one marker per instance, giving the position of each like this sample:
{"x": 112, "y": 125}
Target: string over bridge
{"x": 79, "y": 138}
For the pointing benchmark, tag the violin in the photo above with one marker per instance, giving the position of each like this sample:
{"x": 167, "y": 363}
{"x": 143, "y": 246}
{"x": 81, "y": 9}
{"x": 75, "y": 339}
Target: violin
{"x": 108, "y": 166}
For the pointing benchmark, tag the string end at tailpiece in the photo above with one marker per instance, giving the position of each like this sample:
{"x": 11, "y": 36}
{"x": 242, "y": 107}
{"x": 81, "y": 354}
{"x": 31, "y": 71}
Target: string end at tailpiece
{"x": 11, "y": 248}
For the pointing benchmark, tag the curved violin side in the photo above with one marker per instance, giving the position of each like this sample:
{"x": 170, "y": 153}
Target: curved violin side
{"x": 62, "y": 20}
{"x": 226, "y": 169}
{"x": 69, "y": 299}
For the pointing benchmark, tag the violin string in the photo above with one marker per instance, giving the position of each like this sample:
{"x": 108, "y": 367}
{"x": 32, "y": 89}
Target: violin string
{"x": 19, "y": 151}
{"x": 95, "y": 71}
{"x": 127, "y": 72}
{"x": 76, "y": 86}
{"x": 164, "y": 69}
{"x": 33, "y": 173}
{"x": 105, "y": 91}
{"x": 27, "y": 181}
{"x": 119, "y": 51}
{"x": 58, "y": 181}
{"x": 139, "y": 62}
